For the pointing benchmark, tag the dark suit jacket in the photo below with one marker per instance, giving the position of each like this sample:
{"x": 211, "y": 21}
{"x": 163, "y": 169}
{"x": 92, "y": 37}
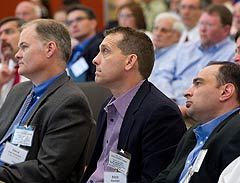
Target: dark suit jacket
{"x": 89, "y": 54}
{"x": 151, "y": 130}
{"x": 62, "y": 123}
{"x": 223, "y": 147}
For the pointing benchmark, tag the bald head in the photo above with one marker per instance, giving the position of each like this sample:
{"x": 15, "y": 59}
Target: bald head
{"x": 27, "y": 11}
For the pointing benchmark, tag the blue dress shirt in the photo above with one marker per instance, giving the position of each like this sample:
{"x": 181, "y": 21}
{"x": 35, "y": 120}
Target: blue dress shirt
{"x": 162, "y": 58}
{"x": 177, "y": 74}
{"x": 76, "y": 53}
{"x": 202, "y": 132}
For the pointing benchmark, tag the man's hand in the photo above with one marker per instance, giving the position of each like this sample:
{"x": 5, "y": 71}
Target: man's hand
{"x": 5, "y": 73}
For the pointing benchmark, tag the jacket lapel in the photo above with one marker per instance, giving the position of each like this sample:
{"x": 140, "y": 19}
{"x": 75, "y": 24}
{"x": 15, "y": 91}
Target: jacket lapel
{"x": 57, "y": 83}
{"x": 129, "y": 118}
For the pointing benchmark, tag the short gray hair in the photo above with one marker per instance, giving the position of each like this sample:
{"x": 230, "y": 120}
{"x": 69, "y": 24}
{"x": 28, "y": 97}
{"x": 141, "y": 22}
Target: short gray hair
{"x": 176, "y": 20}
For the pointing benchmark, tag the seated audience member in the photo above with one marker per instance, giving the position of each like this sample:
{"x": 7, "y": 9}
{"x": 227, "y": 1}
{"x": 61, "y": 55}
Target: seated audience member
{"x": 215, "y": 44}
{"x": 236, "y": 20}
{"x": 167, "y": 31}
{"x": 60, "y": 16}
{"x": 9, "y": 37}
{"x": 190, "y": 12}
{"x": 45, "y": 123}
{"x": 151, "y": 9}
{"x": 138, "y": 122}
{"x": 231, "y": 172}
{"x": 210, "y": 146}
{"x": 82, "y": 24}
{"x": 131, "y": 15}
{"x": 28, "y": 11}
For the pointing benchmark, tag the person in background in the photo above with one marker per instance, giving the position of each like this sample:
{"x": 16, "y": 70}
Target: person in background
{"x": 215, "y": 44}
{"x": 61, "y": 16}
{"x": 236, "y": 20}
{"x": 45, "y": 123}
{"x": 9, "y": 37}
{"x": 82, "y": 25}
{"x": 138, "y": 123}
{"x": 131, "y": 15}
{"x": 151, "y": 9}
{"x": 190, "y": 12}
{"x": 167, "y": 31}
{"x": 28, "y": 11}
{"x": 213, "y": 101}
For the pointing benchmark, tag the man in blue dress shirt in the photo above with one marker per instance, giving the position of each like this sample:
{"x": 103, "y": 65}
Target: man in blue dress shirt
{"x": 215, "y": 44}
{"x": 82, "y": 24}
{"x": 44, "y": 139}
{"x": 208, "y": 147}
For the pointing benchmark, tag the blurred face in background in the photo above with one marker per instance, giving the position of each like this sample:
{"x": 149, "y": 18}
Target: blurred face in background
{"x": 80, "y": 26}
{"x": 236, "y": 16}
{"x": 190, "y": 12}
{"x": 163, "y": 34}
{"x": 27, "y": 11}
{"x": 126, "y": 18}
{"x": 211, "y": 29}
{"x": 9, "y": 37}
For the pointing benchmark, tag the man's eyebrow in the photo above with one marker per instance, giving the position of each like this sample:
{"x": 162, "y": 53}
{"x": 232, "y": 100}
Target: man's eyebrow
{"x": 197, "y": 79}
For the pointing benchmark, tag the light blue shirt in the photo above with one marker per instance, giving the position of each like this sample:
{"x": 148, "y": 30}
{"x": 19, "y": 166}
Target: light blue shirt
{"x": 202, "y": 132}
{"x": 177, "y": 74}
{"x": 162, "y": 58}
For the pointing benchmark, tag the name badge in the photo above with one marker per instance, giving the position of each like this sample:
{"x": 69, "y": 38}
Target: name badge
{"x": 119, "y": 161}
{"x": 79, "y": 67}
{"x": 23, "y": 136}
{"x": 114, "y": 177}
{"x": 13, "y": 154}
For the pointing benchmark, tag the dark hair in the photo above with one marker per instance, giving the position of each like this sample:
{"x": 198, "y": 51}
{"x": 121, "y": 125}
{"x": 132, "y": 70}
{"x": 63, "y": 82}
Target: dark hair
{"x": 237, "y": 35}
{"x": 19, "y": 21}
{"x": 51, "y": 30}
{"x": 136, "y": 42}
{"x": 223, "y": 12}
{"x": 89, "y": 12}
{"x": 137, "y": 12}
{"x": 229, "y": 72}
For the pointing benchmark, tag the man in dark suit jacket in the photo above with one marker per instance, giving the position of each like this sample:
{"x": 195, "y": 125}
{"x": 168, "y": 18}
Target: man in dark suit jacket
{"x": 59, "y": 115}
{"x": 82, "y": 24}
{"x": 206, "y": 149}
{"x": 138, "y": 121}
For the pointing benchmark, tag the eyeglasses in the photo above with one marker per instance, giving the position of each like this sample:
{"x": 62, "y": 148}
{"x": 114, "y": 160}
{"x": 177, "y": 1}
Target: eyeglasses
{"x": 162, "y": 30}
{"x": 78, "y": 19}
{"x": 191, "y": 7}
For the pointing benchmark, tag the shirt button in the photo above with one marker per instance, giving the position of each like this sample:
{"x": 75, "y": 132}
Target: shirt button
{"x": 201, "y": 143}
{"x": 111, "y": 120}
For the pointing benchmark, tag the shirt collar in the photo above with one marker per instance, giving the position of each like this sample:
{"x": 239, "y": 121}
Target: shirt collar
{"x": 204, "y": 131}
{"x": 159, "y": 52}
{"x": 215, "y": 46}
{"x": 40, "y": 89}
{"x": 121, "y": 103}
{"x": 81, "y": 46}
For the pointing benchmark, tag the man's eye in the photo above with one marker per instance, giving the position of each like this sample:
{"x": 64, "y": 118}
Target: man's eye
{"x": 105, "y": 50}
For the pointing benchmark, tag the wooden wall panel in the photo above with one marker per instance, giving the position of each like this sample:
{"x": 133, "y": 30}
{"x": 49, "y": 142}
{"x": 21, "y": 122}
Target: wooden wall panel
{"x": 7, "y": 8}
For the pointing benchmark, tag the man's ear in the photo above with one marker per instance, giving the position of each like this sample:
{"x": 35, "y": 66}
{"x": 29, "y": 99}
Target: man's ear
{"x": 50, "y": 48}
{"x": 130, "y": 61}
{"x": 227, "y": 91}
